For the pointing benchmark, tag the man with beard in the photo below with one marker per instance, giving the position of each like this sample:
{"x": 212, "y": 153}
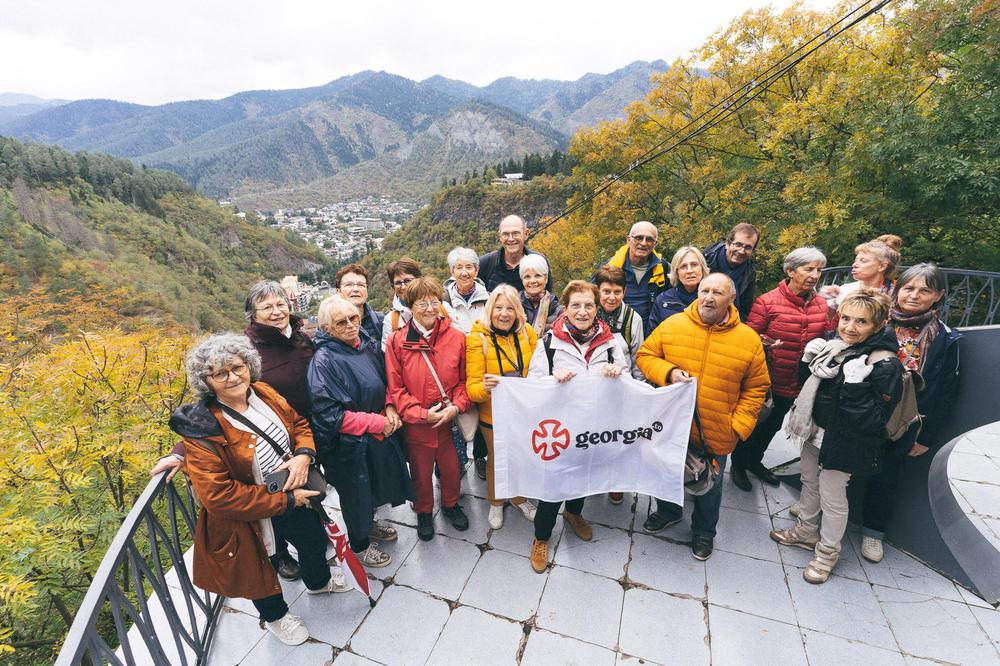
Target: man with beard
{"x": 501, "y": 266}
{"x": 707, "y": 342}
{"x": 734, "y": 257}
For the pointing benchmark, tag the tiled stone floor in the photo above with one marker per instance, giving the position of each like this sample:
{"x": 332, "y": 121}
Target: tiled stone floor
{"x": 631, "y": 598}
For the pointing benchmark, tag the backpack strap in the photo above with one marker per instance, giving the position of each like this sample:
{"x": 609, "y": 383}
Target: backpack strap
{"x": 627, "y": 326}
{"x": 550, "y": 353}
{"x": 395, "y": 320}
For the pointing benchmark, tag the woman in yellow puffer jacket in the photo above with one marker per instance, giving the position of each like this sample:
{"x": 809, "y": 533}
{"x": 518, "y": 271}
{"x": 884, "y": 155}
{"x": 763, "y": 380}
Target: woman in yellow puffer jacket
{"x": 499, "y": 345}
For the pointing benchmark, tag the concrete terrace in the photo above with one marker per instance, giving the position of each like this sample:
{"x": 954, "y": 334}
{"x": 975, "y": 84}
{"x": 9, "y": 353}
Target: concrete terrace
{"x": 631, "y": 598}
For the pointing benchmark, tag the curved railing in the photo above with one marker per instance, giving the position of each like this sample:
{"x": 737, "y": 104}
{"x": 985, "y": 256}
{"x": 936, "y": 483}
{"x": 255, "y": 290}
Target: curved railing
{"x": 144, "y": 584}
{"x": 973, "y": 296}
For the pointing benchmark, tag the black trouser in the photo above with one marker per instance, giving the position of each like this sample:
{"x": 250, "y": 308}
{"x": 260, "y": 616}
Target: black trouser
{"x": 880, "y": 494}
{"x": 479, "y": 445}
{"x": 545, "y": 516}
{"x": 301, "y": 527}
{"x": 751, "y": 452}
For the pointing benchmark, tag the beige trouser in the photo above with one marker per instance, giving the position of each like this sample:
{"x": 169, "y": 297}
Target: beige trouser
{"x": 490, "y": 487}
{"x": 824, "y": 491}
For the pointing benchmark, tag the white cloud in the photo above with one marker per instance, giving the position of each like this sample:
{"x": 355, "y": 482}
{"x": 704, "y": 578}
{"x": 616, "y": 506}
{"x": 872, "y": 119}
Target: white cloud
{"x": 154, "y": 52}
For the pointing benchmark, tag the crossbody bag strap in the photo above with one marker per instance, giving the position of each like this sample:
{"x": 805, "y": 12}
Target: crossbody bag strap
{"x": 253, "y": 426}
{"x": 434, "y": 374}
{"x": 701, "y": 431}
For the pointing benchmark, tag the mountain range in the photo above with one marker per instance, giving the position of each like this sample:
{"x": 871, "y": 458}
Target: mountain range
{"x": 367, "y": 133}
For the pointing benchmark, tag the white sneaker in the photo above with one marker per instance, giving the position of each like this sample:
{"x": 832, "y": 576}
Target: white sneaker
{"x": 871, "y": 549}
{"x": 496, "y": 516}
{"x": 337, "y": 583}
{"x": 289, "y": 630}
{"x": 527, "y": 509}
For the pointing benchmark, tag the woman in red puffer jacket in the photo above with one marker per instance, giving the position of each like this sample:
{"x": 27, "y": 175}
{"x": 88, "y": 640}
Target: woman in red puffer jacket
{"x": 786, "y": 318}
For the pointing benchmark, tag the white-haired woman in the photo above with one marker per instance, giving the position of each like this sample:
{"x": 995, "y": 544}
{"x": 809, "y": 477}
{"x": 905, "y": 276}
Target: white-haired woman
{"x": 240, "y": 431}
{"x": 786, "y": 318}
{"x": 687, "y": 269}
{"x": 541, "y": 307}
{"x": 464, "y": 291}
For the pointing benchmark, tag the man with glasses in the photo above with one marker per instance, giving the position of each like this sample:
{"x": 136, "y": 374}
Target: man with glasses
{"x": 643, "y": 268}
{"x": 352, "y": 284}
{"x": 502, "y": 266}
{"x": 734, "y": 257}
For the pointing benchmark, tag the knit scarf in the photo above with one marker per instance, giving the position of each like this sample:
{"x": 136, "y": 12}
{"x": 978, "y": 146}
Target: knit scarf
{"x": 926, "y": 322}
{"x": 610, "y": 318}
{"x": 582, "y": 337}
{"x": 801, "y": 427}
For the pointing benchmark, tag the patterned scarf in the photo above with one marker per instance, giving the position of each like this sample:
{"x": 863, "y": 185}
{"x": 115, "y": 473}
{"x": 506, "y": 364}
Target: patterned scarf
{"x": 913, "y": 350}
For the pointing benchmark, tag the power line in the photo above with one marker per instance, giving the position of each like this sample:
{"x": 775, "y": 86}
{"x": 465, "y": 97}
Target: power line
{"x": 736, "y": 100}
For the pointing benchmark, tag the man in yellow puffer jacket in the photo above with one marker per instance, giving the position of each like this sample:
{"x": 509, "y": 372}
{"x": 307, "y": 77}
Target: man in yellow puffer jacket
{"x": 709, "y": 343}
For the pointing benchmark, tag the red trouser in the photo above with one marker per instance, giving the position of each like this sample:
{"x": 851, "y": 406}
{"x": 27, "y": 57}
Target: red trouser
{"x": 422, "y": 455}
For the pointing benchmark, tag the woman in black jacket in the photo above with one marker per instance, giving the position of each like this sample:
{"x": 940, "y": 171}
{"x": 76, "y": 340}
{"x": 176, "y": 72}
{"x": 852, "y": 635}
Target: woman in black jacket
{"x": 851, "y": 386}
{"x": 929, "y": 347}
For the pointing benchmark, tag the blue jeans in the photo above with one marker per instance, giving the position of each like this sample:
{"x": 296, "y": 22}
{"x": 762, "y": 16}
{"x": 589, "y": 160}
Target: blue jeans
{"x": 705, "y": 516}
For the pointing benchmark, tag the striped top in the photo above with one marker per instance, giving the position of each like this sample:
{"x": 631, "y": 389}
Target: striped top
{"x": 264, "y": 418}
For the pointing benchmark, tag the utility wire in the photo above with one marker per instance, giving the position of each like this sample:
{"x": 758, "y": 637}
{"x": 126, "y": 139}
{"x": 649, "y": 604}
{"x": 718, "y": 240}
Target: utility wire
{"x": 730, "y": 104}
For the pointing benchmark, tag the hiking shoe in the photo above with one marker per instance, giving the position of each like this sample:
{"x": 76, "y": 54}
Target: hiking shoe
{"x": 383, "y": 531}
{"x": 764, "y": 474}
{"x": 795, "y": 536}
{"x": 425, "y": 526}
{"x": 481, "y": 468}
{"x": 580, "y": 525}
{"x": 289, "y": 629}
{"x": 658, "y": 521}
{"x": 539, "y": 555}
{"x": 495, "y": 518}
{"x": 740, "y": 479}
{"x": 527, "y": 510}
{"x": 456, "y": 517}
{"x": 701, "y": 547}
{"x": 616, "y": 498}
{"x": 288, "y": 567}
{"x": 337, "y": 583}
{"x": 374, "y": 557}
{"x": 871, "y": 549}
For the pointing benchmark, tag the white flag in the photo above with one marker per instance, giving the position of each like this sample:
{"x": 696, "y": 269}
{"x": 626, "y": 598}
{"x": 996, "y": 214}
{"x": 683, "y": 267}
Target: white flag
{"x": 590, "y": 435}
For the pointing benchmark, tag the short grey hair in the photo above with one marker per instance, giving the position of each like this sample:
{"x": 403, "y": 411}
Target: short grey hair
{"x": 216, "y": 352}
{"x": 533, "y": 262}
{"x": 462, "y": 254}
{"x": 801, "y": 256}
{"x": 259, "y": 292}
{"x": 332, "y": 304}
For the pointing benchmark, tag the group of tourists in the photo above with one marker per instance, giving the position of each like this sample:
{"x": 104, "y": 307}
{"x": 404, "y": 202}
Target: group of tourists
{"x": 383, "y": 403}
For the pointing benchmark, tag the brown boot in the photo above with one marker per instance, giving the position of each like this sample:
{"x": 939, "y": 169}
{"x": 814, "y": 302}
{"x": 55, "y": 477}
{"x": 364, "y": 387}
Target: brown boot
{"x": 823, "y": 561}
{"x": 580, "y": 525}
{"x": 539, "y": 555}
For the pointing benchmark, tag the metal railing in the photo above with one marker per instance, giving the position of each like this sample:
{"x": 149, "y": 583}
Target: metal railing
{"x": 145, "y": 553}
{"x": 973, "y": 297}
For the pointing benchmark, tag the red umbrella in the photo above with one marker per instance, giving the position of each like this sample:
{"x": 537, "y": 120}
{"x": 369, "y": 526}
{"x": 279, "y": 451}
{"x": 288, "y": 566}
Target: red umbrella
{"x": 354, "y": 573}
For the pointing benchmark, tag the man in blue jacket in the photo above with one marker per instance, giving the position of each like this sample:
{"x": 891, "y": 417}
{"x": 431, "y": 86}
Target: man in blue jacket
{"x": 734, "y": 257}
{"x": 644, "y": 274}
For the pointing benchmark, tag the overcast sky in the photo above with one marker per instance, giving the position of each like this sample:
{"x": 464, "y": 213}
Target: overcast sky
{"x": 152, "y": 52}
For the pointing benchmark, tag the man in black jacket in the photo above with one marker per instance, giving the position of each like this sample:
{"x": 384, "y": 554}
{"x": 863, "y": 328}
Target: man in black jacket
{"x": 501, "y": 266}
{"x": 734, "y": 257}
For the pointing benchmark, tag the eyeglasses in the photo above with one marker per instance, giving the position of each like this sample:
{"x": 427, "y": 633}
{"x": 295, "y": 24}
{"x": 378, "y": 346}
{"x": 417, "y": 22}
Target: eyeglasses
{"x": 742, "y": 246}
{"x": 352, "y": 285}
{"x": 511, "y": 234}
{"x": 582, "y": 306}
{"x": 222, "y": 375}
{"x": 341, "y": 324}
{"x": 641, "y": 238}
{"x": 281, "y": 306}
{"x": 426, "y": 305}
{"x": 403, "y": 282}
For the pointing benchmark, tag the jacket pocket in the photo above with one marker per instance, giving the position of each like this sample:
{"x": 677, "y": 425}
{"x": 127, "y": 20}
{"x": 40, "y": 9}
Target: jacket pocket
{"x": 227, "y": 551}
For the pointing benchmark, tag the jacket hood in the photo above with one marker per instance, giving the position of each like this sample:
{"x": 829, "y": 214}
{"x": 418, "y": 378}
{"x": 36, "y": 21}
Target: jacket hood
{"x": 478, "y": 294}
{"x": 263, "y": 334}
{"x": 195, "y": 420}
{"x": 734, "y": 317}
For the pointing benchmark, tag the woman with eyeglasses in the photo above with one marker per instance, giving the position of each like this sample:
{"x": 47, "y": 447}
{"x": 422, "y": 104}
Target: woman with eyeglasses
{"x": 425, "y": 368}
{"x": 227, "y": 461}
{"x": 353, "y": 427}
{"x": 352, "y": 284}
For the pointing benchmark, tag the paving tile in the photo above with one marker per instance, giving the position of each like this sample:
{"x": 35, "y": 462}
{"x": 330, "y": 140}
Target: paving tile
{"x": 629, "y": 660}
{"x": 754, "y": 500}
{"x": 935, "y": 628}
{"x": 440, "y": 566}
{"x": 271, "y": 651}
{"x": 333, "y": 618}
{"x": 749, "y": 585}
{"x": 679, "y": 532}
{"x": 346, "y": 658}
{"x": 478, "y": 532}
{"x": 398, "y": 549}
{"x": 605, "y": 555}
{"x": 517, "y": 534}
{"x": 988, "y": 527}
{"x": 746, "y": 533}
{"x": 740, "y": 638}
{"x": 599, "y": 509}
{"x": 474, "y": 637}
{"x": 157, "y": 618}
{"x": 841, "y": 607}
{"x": 545, "y": 648}
{"x": 825, "y": 650}
{"x": 398, "y": 514}
{"x": 595, "y": 621}
{"x": 984, "y": 497}
{"x": 503, "y": 583}
{"x": 236, "y": 634}
{"x": 657, "y": 626}
{"x": 849, "y": 565}
{"x": 780, "y": 499}
{"x": 971, "y": 599}
{"x": 387, "y": 637}
{"x": 972, "y": 467}
{"x": 666, "y": 566}
{"x": 472, "y": 485}
{"x": 989, "y": 620}
{"x": 902, "y": 572}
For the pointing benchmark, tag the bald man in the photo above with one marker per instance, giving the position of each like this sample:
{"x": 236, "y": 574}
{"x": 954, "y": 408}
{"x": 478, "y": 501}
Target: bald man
{"x": 502, "y": 266}
{"x": 707, "y": 342}
{"x": 644, "y": 274}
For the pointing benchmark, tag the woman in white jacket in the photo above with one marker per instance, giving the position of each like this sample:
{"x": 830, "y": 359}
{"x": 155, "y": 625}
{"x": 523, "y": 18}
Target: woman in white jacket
{"x": 577, "y": 344}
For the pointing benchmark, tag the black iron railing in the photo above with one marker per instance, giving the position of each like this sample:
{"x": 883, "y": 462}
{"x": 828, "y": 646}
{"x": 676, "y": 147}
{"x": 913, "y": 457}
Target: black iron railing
{"x": 144, "y": 585}
{"x": 973, "y": 296}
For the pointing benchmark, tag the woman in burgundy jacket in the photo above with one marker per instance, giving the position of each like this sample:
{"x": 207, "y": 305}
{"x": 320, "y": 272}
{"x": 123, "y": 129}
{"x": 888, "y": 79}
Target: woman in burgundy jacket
{"x": 786, "y": 318}
{"x": 428, "y": 340}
